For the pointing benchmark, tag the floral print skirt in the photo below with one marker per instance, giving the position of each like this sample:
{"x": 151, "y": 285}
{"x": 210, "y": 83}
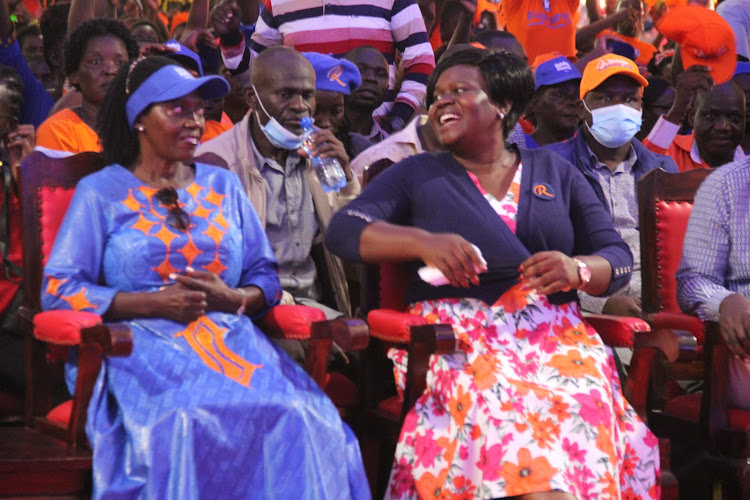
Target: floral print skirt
{"x": 530, "y": 403}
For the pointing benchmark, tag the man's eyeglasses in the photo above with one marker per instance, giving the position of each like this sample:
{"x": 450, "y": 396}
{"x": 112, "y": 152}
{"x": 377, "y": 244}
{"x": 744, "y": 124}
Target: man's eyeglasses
{"x": 177, "y": 217}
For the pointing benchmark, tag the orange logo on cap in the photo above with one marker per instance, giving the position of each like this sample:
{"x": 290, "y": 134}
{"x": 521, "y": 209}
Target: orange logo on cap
{"x": 334, "y": 74}
{"x": 608, "y": 62}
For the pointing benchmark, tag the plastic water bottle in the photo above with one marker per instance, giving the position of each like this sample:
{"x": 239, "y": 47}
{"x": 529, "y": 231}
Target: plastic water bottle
{"x": 330, "y": 173}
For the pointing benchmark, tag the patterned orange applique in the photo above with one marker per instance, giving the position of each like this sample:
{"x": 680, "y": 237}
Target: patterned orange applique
{"x": 78, "y": 301}
{"x": 215, "y": 266}
{"x": 166, "y": 236}
{"x": 214, "y": 233}
{"x": 190, "y": 251}
{"x": 144, "y": 225}
{"x": 165, "y": 269}
{"x": 202, "y": 212}
{"x": 221, "y": 221}
{"x": 206, "y": 338}
{"x": 572, "y": 365}
{"x": 528, "y": 476}
{"x": 214, "y": 198}
{"x": 130, "y": 202}
{"x": 193, "y": 190}
{"x": 53, "y": 284}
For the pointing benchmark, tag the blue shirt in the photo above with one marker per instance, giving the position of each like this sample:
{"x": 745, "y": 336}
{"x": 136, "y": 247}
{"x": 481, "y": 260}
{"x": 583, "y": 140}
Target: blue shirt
{"x": 37, "y": 102}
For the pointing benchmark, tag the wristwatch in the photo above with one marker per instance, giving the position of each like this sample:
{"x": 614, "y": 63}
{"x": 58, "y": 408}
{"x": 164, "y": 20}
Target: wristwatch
{"x": 584, "y": 273}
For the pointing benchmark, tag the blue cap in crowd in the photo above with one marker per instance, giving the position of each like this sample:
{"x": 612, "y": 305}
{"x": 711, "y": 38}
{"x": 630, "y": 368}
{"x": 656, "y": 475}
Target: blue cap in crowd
{"x": 336, "y": 75}
{"x": 172, "y": 82}
{"x": 554, "y": 71}
{"x": 184, "y": 56}
{"x": 743, "y": 68}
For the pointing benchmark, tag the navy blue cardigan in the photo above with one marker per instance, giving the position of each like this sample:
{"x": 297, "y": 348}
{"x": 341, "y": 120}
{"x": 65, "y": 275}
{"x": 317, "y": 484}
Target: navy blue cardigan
{"x": 557, "y": 210}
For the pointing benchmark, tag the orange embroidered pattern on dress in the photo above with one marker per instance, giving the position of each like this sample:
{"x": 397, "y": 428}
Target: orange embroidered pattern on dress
{"x": 153, "y": 223}
{"x": 206, "y": 338}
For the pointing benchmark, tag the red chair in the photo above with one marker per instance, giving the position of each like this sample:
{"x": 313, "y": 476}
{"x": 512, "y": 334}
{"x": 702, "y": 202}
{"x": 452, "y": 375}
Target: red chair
{"x": 665, "y": 201}
{"x": 49, "y": 454}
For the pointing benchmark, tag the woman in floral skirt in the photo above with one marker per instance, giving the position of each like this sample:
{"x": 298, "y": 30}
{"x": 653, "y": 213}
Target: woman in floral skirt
{"x": 530, "y": 405}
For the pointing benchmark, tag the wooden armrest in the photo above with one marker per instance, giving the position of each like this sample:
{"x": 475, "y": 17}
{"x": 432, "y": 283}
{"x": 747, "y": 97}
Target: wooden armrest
{"x": 425, "y": 340}
{"x": 350, "y": 334}
{"x": 617, "y": 331}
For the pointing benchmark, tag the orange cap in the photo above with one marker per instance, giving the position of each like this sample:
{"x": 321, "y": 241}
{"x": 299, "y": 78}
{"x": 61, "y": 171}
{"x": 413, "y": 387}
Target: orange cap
{"x": 705, "y": 39}
{"x": 608, "y": 65}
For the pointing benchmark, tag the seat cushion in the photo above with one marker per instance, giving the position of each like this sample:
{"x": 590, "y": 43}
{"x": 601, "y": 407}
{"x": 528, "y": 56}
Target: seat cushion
{"x": 291, "y": 321}
{"x": 739, "y": 419}
{"x": 391, "y": 406}
{"x": 341, "y": 390}
{"x": 60, "y": 414}
{"x": 63, "y": 327}
{"x": 687, "y": 407}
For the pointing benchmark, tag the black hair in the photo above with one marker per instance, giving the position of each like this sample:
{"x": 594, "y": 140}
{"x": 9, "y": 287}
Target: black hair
{"x": 119, "y": 140}
{"x": 485, "y": 37}
{"x": 76, "y": 44}
{"x": 161, "y": 31}
{"x": 11, "y": 91}
{"x": 53, "y": 23}
{"x": 508, "y": 79}
{"x": 655, "y": 89}
{"x": 29, "y": 29}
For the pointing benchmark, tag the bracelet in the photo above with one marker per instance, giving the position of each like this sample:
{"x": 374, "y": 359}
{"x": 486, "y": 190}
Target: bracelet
{"x": 241, "y": 309}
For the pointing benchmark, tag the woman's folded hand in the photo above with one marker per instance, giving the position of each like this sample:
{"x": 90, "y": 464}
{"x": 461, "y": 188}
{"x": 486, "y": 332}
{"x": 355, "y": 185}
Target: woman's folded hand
{"x": 550, "y": 272}
{"x": 218, "y": 296}
{"x": 180, "y": 303}
{"x": 454, "y": 257}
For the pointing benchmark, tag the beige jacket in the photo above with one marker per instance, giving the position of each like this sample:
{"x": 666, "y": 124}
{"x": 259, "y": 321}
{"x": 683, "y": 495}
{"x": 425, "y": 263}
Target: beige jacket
{"x": 232, "y": 150}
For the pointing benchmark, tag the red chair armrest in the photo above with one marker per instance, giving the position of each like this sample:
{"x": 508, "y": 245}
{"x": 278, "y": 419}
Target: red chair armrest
{"x": 63, "y": 327}
{"x": 678, "y": 321}
{"x": 291, "y": 321}
{"x": 392, "y": 326}
{"x": 350, "y": 334}
{"x": 617, "y": 331}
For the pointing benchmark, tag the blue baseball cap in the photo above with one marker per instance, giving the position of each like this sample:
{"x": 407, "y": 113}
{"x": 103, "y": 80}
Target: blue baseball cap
{"x": 743, "y": 68}
{"x": 336, "y": 75}
{"x": 172, "y": 82}
{"x": 184, "y": 56}
{"x": 556, "y": 70}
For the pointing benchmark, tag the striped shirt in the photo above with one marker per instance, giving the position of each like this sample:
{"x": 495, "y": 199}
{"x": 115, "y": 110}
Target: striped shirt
{"x": 715, "y": 261}
{"x": 337, "y": 26}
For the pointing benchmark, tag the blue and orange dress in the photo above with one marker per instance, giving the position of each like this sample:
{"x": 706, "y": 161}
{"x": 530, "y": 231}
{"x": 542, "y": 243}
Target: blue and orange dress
{"x": 200, "y": 408}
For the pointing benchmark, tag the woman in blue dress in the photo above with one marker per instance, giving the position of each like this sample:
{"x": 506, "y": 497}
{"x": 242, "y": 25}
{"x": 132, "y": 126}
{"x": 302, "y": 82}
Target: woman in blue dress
{"x": 205, "y": 406}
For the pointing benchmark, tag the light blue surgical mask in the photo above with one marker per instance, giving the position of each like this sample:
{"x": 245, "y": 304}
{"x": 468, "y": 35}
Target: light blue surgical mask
{"x": 276, "y": 133}
{"x": 615, "y": 125}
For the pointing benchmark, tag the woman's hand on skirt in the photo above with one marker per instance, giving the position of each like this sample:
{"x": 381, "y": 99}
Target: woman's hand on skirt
{"x": 550, "y": 272}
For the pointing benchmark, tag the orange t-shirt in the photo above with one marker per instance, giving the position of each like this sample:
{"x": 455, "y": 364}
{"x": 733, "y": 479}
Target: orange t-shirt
{"x": 65, "y": 131}
{"x": 645, "y": 50}
{"x": 214, "y": 128}
{"x": 543, "y": 26}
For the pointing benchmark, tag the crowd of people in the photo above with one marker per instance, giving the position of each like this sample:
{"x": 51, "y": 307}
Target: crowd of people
{"x": 508, "y": 139}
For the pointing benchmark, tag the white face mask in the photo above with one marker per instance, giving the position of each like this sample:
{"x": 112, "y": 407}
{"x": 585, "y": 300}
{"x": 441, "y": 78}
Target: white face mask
{"x": 276, "y": 133}
{"x": 614, "y": 125}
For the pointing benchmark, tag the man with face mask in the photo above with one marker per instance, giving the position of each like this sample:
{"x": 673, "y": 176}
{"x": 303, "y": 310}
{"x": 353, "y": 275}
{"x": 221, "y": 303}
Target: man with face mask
{"x": 264, "y": 151}
{"x": 612, "y": 159}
